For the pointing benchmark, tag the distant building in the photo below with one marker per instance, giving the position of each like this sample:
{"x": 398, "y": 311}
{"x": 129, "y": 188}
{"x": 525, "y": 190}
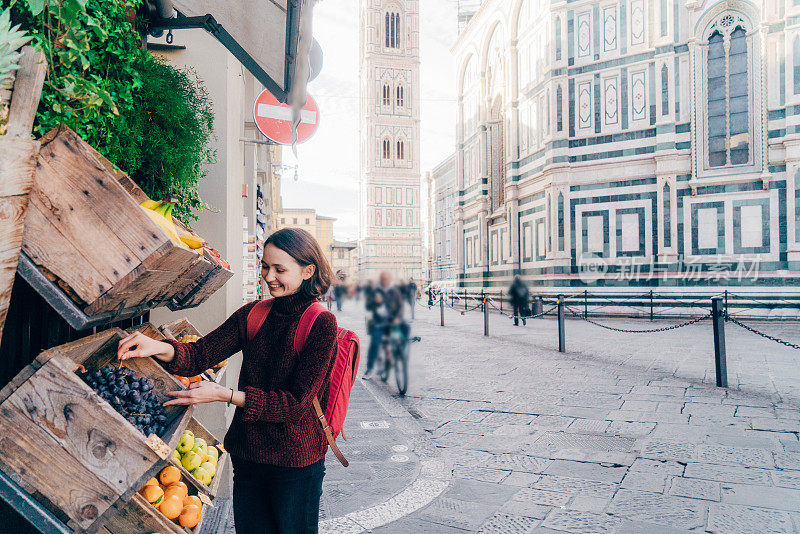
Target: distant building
{"x": 390, "y": 230}
{"x": 443, "y": 237}
{"x": 344, "y": 260}
{"x": 319, "y": 226}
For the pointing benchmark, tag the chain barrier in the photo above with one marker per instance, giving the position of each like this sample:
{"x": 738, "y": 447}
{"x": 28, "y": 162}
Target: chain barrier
{"x": 762, "y": 334}
{"x": 645, "y": 331}
{"x": 526, "y": 317}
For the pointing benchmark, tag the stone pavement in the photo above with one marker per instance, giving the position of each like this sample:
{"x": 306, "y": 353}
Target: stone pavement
{"x": 621, "y": 434}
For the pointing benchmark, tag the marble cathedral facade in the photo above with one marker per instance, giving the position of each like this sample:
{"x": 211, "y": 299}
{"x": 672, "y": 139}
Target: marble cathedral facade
{"x": 629, "y": 142}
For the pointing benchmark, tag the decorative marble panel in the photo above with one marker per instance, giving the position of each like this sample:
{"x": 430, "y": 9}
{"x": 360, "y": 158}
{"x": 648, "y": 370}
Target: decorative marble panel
{"x": 527, "y": 241}
{"x": 595, "y": 233}
{"x": 751, "y": 226}
{"x": 638, "y": 95}
{"x": 583, "y": 23}
{"x": 708, "y": 228}
{"x": 611, "y": 100}
{"x": 631, "y": 232}
{"x": 609, "y": 28}
{"x": 637, "y": 22}
{"x": 584, "y": 104}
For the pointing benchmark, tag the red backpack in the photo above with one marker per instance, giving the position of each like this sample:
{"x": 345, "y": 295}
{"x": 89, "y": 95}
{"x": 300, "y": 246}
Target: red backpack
{"x": 343, "y": 375}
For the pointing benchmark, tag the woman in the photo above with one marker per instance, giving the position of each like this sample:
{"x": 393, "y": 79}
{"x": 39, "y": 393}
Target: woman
{"x": 275, "y": 441}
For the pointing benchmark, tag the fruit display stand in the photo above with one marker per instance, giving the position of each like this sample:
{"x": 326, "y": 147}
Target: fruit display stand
{"x": 88, "y": 241}
{"x": 200, "y": 431}
{"x": 149, "y": 330}
{"x": 182, "y": 327}
{"x": 50, "y": 412}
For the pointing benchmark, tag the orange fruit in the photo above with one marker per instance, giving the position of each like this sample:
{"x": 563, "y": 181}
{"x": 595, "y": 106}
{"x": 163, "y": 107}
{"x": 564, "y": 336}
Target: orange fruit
{"x": 152, "y": 482}
{"x": 153, "y": 494}
{"x": 169, "y": 475}
{"x": 171, "y": 506}
{"x": 190, "y": 516}
{"x": 193, "y": 499}
{"x": 177, "y": 488}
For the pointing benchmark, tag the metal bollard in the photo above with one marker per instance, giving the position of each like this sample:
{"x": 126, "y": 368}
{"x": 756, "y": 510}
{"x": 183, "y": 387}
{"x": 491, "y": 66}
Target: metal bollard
{"x": 718, "y": 320}
{"x": 651, "y": 304}
{"x": 465, "y": 299}
{"x": 485, "y": 317}
{"x": 561, "y": 333}
{"x": 538, "y": 306}
{"x": 441, "y": 309}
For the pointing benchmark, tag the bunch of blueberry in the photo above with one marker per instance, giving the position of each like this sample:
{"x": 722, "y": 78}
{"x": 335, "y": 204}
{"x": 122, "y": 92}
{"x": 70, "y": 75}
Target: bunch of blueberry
{"x": 130, "y": 395}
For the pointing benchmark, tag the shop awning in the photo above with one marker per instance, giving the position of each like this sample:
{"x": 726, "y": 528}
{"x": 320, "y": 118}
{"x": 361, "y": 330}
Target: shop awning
{"x": 270, "y": 37}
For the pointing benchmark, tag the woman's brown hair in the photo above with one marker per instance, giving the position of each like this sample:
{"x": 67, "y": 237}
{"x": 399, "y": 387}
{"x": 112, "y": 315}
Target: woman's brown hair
{"x": 301, "y": 245}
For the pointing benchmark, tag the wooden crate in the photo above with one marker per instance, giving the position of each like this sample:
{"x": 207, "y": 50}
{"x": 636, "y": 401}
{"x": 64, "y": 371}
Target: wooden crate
{"x": 137, "y": 516}
{"x": 213, "y": 278}
{"x": 85, "y": 230}
{"x": 200, "y": 431}
{"x": 176, "y": 329}
{"x": 67, "y": 446}
{"x": 149, "y": 330}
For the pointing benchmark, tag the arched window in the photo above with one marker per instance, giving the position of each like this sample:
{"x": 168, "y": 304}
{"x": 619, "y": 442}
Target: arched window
{"x": 377, "y": 217}
{"x": 796, "y": 56}
{"x": 389, "y": 214}
{"x": 392, "y": 23}
{"x": 728, "y": 95}
{"x": 400, "y": 96}
{"x": 400, "y": 150}
{"x": 560, "y": 221}
{"x": 666, "y": 216}
{"x": 387, "y": 95}
{"x": 387, "y": 149}
{"x": 558, "y": 38}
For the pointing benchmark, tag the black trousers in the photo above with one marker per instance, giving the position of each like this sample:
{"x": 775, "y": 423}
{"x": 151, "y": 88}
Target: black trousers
{"x": 268, "y": 499}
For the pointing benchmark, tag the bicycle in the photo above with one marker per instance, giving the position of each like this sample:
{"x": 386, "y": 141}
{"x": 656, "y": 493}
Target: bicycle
{"x": 394, "y": 353}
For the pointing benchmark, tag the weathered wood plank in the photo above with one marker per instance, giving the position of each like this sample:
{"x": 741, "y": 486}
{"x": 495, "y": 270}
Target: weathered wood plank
{"x": 12, "y": 219}
{"x": 26, "y": 93}
{"x": 17, "y": 165}
{"x": 48, "y": 247}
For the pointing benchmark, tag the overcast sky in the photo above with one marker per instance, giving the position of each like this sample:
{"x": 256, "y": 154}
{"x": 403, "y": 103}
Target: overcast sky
{"x": 329, "y": 160}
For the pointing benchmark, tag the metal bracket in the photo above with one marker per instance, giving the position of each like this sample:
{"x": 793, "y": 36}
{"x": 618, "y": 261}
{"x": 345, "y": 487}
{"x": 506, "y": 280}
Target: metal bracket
{"x": 209, "y": 23}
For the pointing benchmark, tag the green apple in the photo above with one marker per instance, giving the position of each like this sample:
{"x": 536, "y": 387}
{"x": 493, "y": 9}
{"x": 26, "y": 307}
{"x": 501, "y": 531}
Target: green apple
{"x": 201, "y": 474}
{"x": 191, "y": 460}
{"x": 211, "y": 468}
{"x": 213, "y": 452}
{"x": 186, "y": 443}
{"x": 176, "y": 456}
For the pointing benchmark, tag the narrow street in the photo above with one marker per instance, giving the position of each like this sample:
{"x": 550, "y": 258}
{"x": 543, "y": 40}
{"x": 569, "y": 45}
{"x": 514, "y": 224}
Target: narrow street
{"x": 616, "y": 435}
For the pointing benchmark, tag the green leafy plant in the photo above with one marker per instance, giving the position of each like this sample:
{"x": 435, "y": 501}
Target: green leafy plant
{"x": 167, "y": 135}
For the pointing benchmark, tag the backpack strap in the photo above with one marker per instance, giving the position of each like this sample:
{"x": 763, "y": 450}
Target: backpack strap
{"x": 328, "y": 434}
{"x": 306, "y": 322}
{"x": 256, "y": 317}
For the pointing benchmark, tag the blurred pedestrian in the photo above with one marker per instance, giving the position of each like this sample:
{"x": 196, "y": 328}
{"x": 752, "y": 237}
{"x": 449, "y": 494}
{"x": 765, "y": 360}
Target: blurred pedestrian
{"x": 519, "y": 294}
{"x": 411, "y": 294}
{"x": 339, "y": 292}
{"x": 386, "y": 306}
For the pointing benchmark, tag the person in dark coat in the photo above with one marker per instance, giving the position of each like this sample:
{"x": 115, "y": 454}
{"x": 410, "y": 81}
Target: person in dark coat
{"x": 339, "y": 292}
{"x": 519, "y": 294}
{"x": 386, "y": 306}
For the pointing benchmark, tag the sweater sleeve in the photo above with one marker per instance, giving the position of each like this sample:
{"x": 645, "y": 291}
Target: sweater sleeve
{"x": 226, "y": 340}
{"x": 291, "y": 403}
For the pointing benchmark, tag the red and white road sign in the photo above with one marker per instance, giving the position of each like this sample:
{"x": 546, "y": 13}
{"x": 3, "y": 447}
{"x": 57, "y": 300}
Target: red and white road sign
{"x": 274, "y": 119}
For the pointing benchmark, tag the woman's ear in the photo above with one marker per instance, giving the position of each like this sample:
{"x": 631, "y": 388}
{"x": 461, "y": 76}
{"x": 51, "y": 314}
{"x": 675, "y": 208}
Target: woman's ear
{"x": 308, "y": 271}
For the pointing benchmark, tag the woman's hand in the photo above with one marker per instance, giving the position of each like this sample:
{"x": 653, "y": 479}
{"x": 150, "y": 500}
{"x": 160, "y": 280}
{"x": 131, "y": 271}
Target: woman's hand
{"x": 138, "y": 345}
{"x": 199, "y": 393}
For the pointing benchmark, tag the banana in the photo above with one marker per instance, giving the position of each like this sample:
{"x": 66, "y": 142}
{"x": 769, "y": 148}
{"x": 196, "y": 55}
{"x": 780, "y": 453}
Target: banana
{"x": 151, "y": 204}
{"x": 165, "y": 225}
{"x": 192, "y": 241}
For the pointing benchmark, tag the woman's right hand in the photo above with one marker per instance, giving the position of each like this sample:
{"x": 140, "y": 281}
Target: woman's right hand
{"x": 138, "y": 345}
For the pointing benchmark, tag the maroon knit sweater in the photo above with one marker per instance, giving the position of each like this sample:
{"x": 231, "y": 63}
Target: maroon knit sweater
{"x": 277, "y": 425}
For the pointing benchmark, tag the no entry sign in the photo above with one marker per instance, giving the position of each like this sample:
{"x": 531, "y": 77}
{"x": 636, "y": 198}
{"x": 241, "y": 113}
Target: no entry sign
{"x": 274, "y": 119}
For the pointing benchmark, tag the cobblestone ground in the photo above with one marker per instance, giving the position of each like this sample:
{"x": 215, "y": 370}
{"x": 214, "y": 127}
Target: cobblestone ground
{"x": 623, "y": 433}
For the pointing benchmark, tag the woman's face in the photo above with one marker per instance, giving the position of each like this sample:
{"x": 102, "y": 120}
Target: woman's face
{"x": 282, "y": 275}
